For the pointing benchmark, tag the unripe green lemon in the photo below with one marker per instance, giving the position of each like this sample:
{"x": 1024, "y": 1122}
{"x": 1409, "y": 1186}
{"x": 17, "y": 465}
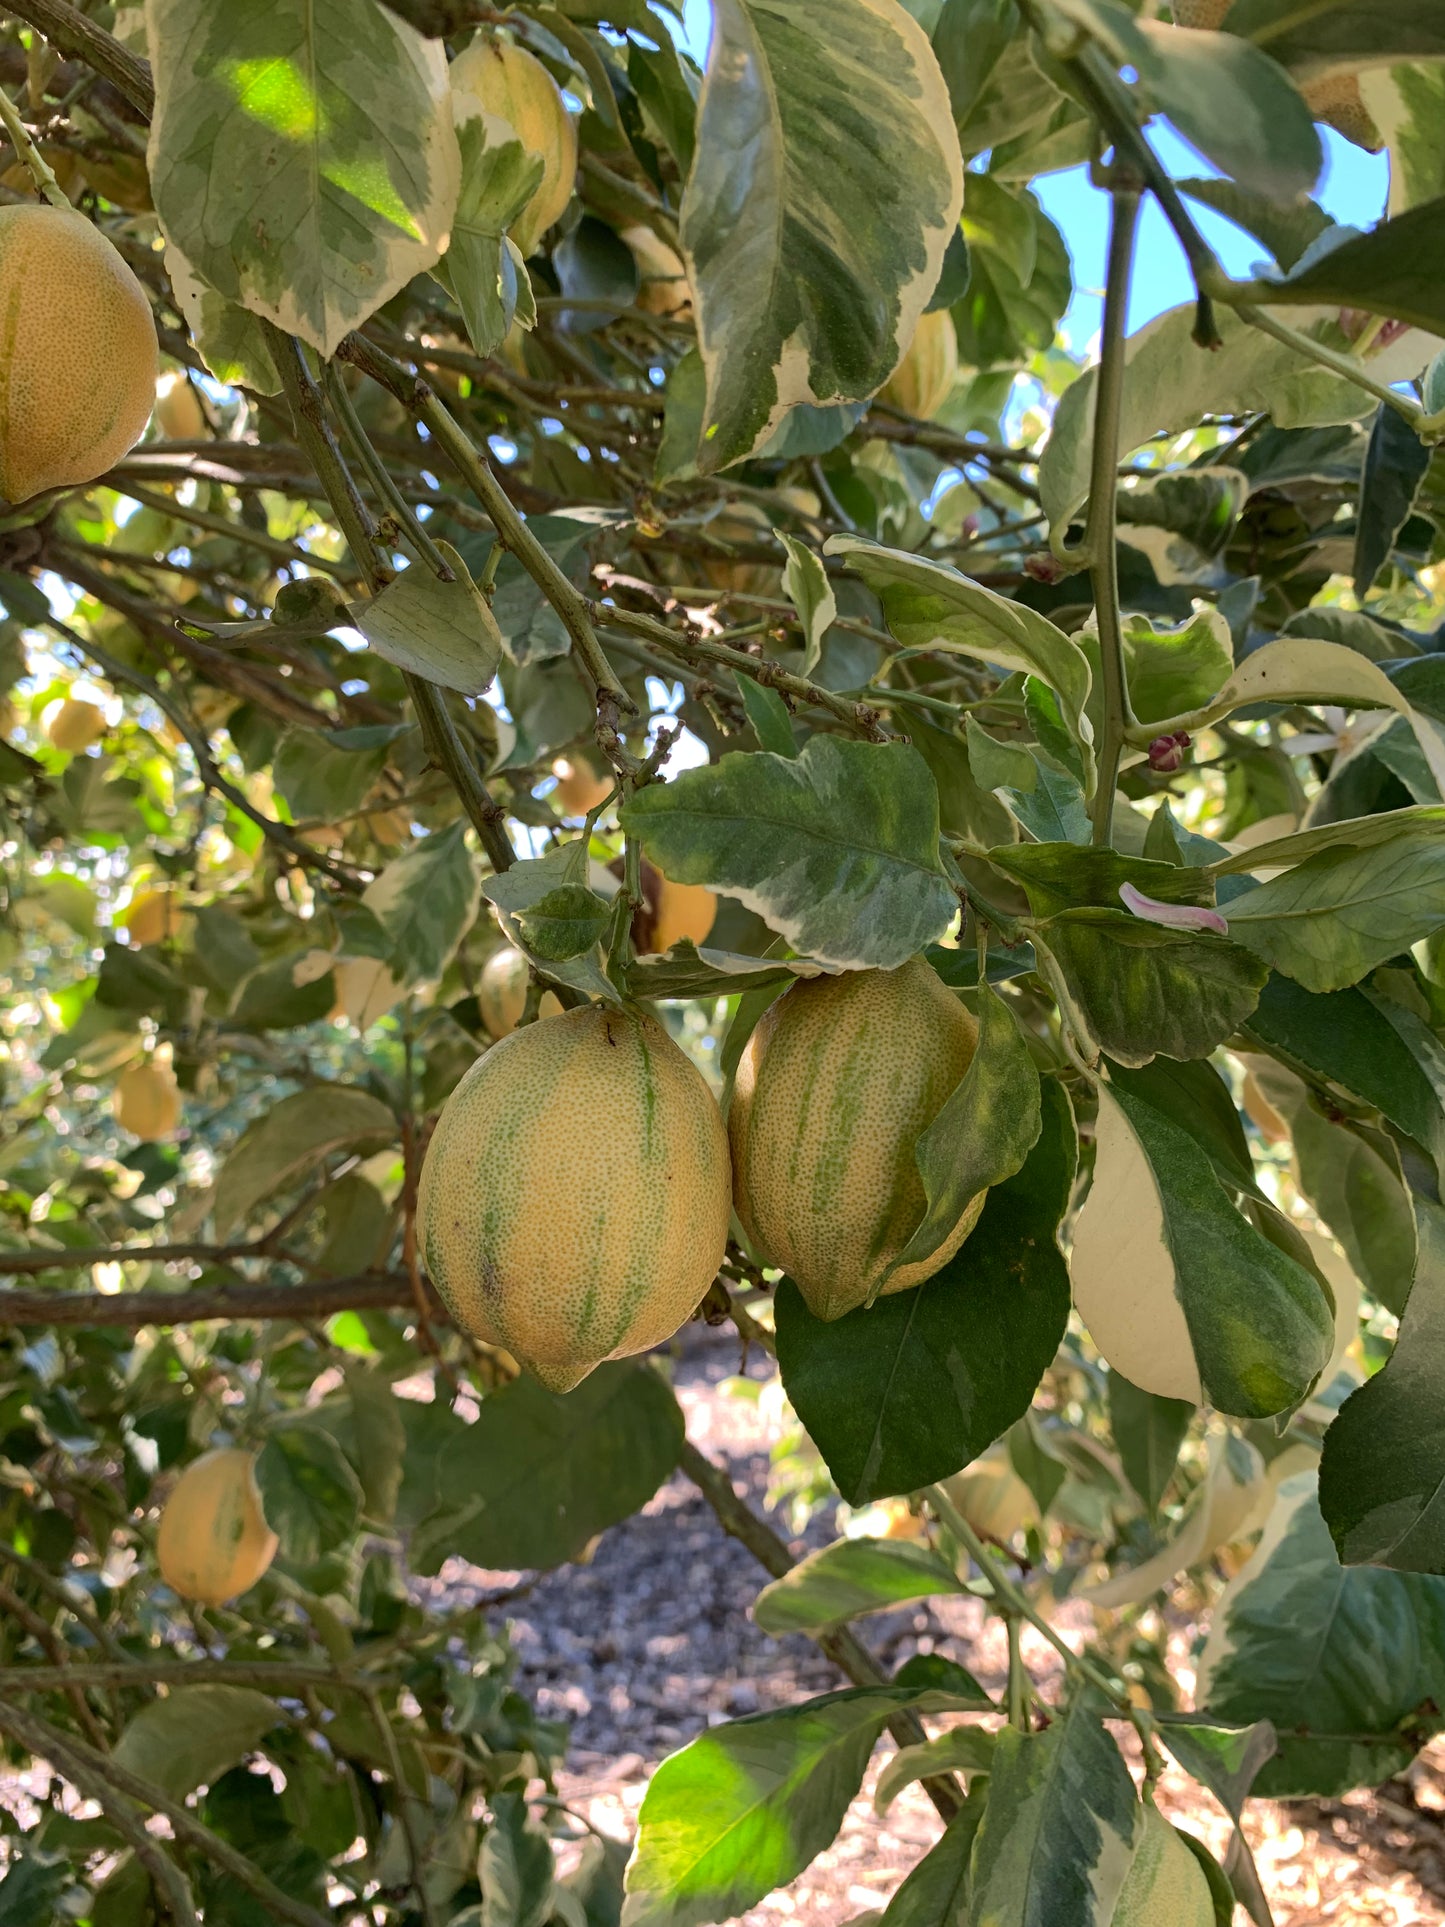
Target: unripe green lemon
{"x": 1165, "y": 1886}
{"x": 923, "y": 380}
{"x": 575, "y": 1198}
{"x": 77, "y": 352}
{"x": 213, "y": 1541}
{"x": 515, "y": 86}
{"x": 837, "y": 1084}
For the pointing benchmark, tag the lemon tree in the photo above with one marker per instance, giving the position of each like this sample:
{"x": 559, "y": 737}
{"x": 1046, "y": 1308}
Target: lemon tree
{"x": 605, "y": 721}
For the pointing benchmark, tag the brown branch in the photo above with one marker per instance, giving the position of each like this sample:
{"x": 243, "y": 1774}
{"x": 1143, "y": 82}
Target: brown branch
{"x": 101, "y": 1777}
{"x": 132, "y": 1309}
{"x": 20, "y": 1264}
{"x": 67, "y": 28}
{"x": 844, "y": 1648}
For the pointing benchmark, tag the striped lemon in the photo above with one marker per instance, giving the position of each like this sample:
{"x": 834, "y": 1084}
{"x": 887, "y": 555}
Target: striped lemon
{"x": 77, "y": 352}
{"x": 836, "y": 1085}
{"x": 574, "y": 1201}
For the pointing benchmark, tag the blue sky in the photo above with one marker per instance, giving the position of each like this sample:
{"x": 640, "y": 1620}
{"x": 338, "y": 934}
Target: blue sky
{"x": 1352, "y": 189}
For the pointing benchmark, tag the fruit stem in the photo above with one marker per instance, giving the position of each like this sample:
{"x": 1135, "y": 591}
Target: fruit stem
{"x": 46, "y": 185}
{"x": 1100, "y": 540}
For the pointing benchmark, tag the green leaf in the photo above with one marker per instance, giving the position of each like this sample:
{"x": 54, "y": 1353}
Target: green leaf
{"x": 768, "y": 714}
{"x": 1172, "y": 384}
{"x": 1057, "y": 876}
{"x": 848, "y": 1578}
{"x": 1387, "y": 271}
{"x": 1368, "y": 1045}
{"x": 1048, "y": 801}
{"x": 1058, "y": 1833}
{"x": 328, "y": 775}
{"x": 987, "y": 1127}
{"x": 280, "y": 1147}
{"x": 1332, "y": 919}
{"x": 1355, "y": 833}
{"x": 31, "y": 1891}
{"x": 1148, "y": 1432}
{"x": 930, "y": 606}
{"x": 1340, "y": 1658}
{"x": 1352, "y": 1176}
{"x": 1194, "y": 1096}
{"x": 965, "y": 1749}
{"x": 936, "y": 1890}
{"x": 1285, "y": 228}
{"x": 1230, "y": 101}
{"x": 1138, "y": 989}
{"x": 812, "y": 252}
{"x": 682, "y": 423}
{"x": 379, "y": 1440}
{"x": 1395, "y": 465}
{"x": 516, "y": 1868}
{"x": 426, "y": 902}
{"x": 309, "y": 1493}
{"x": 537, "y": 1474}
{"x": 1171, "y": 671}
{"x": 444, "y": 631}
{"x": 811, "y": 594}
{"x": 1177, "y": 1288}
{"x": 1350, "y": 34}
{"x": 837, "y": 848}
{"x": 909, "y": 1390}
{"x": 1382, "y": 1477}
{"x": 1005, "y": 317}
{"x": 194, "y": 1735}
{"x": 499, "y": 177}
{"x": 748, "y": 1805}
{"x": 559, "y": 917}
{"x": 294, "y": 99}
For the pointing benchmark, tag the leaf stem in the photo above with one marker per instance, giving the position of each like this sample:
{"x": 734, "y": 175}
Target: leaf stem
{"x": 1099, "y": 539}
{"x": 1339, "y": 364}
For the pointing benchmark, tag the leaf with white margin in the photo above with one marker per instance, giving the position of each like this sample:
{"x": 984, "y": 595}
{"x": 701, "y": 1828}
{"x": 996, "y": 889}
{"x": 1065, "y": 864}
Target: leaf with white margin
{"x": 1351, "y": 832}
{"x": 230, "y": 338}
{"x": 928, "y": 605}
{"x": 1172, "y": 383}
{"x": 1297, "y": 669}
{"x": 1332, "y": 918}
{"x": 825, "y": 186}
{"x": 808, "y": 589}
{"x": 836, "y": 848}
{"x": 343, "y": 111}
{"x": 1178, "y": 1290}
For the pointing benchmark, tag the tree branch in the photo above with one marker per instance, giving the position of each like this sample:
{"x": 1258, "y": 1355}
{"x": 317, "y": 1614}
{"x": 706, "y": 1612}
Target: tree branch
{"x": 67, "y": 28}
{"x": 844, "y": 1648}
{"x": 203, "y": 1304}
{"x": 101, "y": 1778}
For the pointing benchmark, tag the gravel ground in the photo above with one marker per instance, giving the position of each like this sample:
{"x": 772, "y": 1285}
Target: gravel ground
{"x": 651, "y": 1641}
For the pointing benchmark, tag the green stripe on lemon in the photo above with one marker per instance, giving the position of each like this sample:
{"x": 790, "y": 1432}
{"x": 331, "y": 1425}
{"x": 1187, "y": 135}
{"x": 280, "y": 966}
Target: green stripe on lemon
{"x": 575, "y": 1198}
{"x": 837, "y": 1084}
